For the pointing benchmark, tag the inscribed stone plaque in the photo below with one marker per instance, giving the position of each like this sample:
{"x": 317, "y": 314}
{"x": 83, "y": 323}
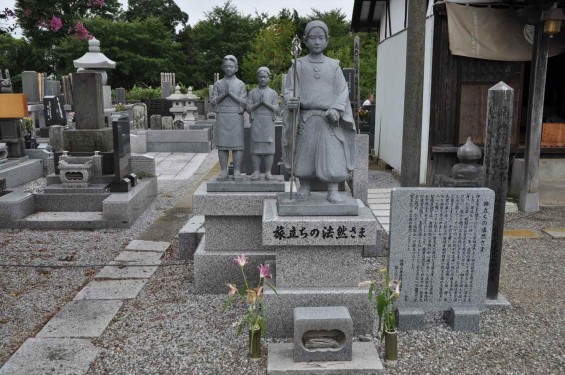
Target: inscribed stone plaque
{"x": 54, "y": 112}
{"x": 440, "y": 246}
{"x": 30, "y": 86}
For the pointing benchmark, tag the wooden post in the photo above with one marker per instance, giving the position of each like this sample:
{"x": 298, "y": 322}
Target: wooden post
{"x": 413, "y": 94}
{"x": 529, "y": 196}
{"x": 497, "y": 154}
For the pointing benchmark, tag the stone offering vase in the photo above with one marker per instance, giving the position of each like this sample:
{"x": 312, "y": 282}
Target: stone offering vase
{"x": 391, "y": 347}
{"x": 255, "y": 344}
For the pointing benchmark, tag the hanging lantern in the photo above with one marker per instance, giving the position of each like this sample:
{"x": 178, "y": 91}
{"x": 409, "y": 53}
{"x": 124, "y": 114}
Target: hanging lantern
{"x": 552, "y": 19}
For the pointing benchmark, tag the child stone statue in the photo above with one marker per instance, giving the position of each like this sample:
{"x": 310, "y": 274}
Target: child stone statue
{"x": 229, "y": 97}
{"x": 325, "y": 141}
{"x": 262, "y": 105}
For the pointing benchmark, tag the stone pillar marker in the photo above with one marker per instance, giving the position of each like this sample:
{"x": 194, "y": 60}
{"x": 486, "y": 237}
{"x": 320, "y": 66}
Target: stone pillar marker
{"x": 121, "y": 95}
{"x": 496, "y": 163}
{"x": 413, "y": 95}
{"x": 529, "y": 197}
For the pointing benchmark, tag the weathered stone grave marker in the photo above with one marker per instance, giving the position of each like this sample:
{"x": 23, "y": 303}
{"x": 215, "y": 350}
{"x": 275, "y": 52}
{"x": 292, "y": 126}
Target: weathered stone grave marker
{"x": 439, "y": 249}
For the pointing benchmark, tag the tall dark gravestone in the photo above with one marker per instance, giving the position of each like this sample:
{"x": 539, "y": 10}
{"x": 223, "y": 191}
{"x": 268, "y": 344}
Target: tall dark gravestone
{"x": 122, "y": 154}
{"x": 349, "y": 74}
{"x": 496, "y": 163}
{"x": 54, "y": 113}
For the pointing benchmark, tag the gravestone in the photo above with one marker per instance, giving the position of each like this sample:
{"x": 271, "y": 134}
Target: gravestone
{"x": 56, "y": 137}
{"x": 88, "y": 100}
{"x": 155, "y": 122}
{"x": 54, "y": 112}
{"x": 30, "y": 85}
{"x": 439, "y": 250}
{"x": 122, "y": 154}
{"x": 107, "y": 96}
{"x": 52, "y": 88}
{"x": 349, "y": 74}
{"x": 167, "y": 123}
{"x": 166, "y": 88}
{"x": 121, "y": 95}
{"x": 139, "y": 116}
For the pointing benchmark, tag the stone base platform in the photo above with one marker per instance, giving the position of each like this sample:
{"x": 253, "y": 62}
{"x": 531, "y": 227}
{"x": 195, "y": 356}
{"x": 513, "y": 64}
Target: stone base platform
{"x": 119, "y": 210}
{"x": 316, "y": 205}
{"x": 277, "y": 184}
{"x": 188, "y": 140}
{"x": 365, "y": 360}
{"x": 21, "y": 172}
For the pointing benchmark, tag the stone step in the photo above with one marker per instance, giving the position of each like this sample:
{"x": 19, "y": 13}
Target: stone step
{"x": 65, "y": 202}
{"x": 65, "y": 219}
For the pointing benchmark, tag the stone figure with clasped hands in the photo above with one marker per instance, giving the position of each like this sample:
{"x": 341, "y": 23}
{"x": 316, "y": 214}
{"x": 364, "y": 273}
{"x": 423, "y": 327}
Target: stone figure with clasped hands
{"x": 229, "y": 97}
{"x": 325, "y": 140}
{"x": 262, "y": 105}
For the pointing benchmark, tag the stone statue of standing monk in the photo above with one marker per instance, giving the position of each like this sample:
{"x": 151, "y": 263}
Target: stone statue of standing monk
{"x": 325, "y": 141}
{"x": 229, "y": 97}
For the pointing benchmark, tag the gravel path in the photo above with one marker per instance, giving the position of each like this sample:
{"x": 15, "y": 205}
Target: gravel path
{"x": 29, "y": 297}
{"x": 170, "y": 329}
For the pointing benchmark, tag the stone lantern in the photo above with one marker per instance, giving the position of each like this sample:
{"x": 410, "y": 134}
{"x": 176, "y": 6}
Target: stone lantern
{"x": 178, "y": 101}
{"x": 95, "y": 60}
{"x": 190, "y": 108}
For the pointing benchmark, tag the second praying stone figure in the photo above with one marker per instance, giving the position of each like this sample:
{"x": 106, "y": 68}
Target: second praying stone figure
{"x": 262, "y": 105}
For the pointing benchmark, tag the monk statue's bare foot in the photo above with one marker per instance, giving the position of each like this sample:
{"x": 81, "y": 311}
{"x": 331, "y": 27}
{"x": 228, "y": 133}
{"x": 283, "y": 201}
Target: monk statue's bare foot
{"x": 269, "y": 177}
{"x": 237, "y": 176}
{"x": 255, "y": 176}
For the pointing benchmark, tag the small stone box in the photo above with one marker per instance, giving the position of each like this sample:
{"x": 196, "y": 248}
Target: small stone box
{"x": 322, "y": 334}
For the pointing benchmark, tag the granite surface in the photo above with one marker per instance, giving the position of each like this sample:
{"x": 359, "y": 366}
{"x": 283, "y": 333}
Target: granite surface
{"x": 246, "y": 185}
{"x": 316, "y": 205}
{"x": 234, "y": 233}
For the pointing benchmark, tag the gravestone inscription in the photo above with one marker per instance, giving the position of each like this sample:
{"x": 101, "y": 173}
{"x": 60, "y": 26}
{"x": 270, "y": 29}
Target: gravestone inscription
{"x": 440, "y": 246}
{"x": 54, "y": 112}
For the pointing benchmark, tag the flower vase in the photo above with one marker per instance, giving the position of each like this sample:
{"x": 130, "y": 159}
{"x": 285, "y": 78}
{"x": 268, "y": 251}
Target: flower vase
{"x": 391, "y": 348}
{"x": 255, "y": 344}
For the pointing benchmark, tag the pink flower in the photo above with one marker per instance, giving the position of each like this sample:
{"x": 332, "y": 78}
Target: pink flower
{"x": 55, "y": 24}
{"x": 241, "y": 260}
{"x": 27, "y": 12}
{"x": 96, "y": 3}
{"x": 81, "y": 32}
{"x": 264, "y": 271}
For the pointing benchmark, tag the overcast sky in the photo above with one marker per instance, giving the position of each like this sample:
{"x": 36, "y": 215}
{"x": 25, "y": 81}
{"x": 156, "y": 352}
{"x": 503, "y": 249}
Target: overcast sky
{"x": 197, "y": 8}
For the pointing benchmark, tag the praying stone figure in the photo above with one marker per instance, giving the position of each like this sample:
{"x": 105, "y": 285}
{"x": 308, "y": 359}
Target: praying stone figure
{"x": 229, "y": 97}
{"x": 262, "y": 105}
{"x": 5, "y": 83}
{"x": 325, "y": 140}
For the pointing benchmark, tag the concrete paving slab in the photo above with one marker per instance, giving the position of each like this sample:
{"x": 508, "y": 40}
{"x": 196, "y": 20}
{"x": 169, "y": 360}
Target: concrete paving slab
{"x": 381, "y": 212}
{"x": 555, "y": 232}
{"x": 383, "y": 219}
{"x": 520, "y": 233}
{"x": 125, "y": 272}
{"x": 365, "y": 360}
{"x": 61, "y": 356}
{"x": 380, "y": 206}
{"x": 111, "y": 289}
{"x": 139, "y": 257}
{"x": 156, "y": 246}
{"x": 378, "y": 201}
{"x": 81, "y": 319}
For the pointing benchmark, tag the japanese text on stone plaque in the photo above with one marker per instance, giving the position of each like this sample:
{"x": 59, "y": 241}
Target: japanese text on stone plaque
{"x": 340, "y": 232}
{"x": 446, "y": 235}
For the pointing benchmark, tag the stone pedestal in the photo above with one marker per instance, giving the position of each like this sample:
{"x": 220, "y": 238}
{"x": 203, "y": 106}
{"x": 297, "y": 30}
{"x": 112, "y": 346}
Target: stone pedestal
{"x": 233, "y": 222}
{"x": 88, "y": 140}
{"x": 318, "y": 264}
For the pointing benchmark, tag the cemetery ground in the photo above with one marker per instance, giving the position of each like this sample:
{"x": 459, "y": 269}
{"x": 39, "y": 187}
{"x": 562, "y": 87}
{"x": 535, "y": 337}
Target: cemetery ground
{"x": 172, "y": 328}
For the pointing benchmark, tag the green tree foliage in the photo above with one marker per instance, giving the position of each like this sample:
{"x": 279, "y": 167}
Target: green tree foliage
{"x": 165, "y": 10}
{"x": 46, "y": 22}
{"x": 225, "y": 31}
{"x": 122, "y": 42}
{"x": 270, "y": 48}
